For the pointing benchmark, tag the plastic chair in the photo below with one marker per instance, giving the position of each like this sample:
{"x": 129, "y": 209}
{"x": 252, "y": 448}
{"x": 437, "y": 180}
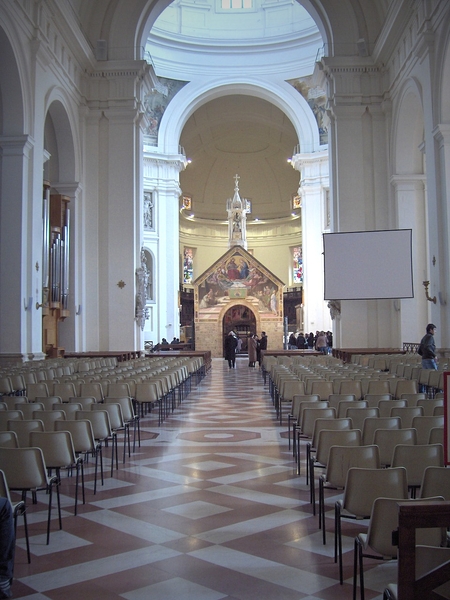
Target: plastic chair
{"x": 85, "y": 401}
{"x": 6, "y": 388}
{"x": 294, "y": 417}
{"x": 29, "y": 408}
{"x": 83, "y": 442}
{"x": 436, "y": 435}
{"x": 335, "y": 399}
{"x": 289, "y": 388}
{"x": 65, "y": 390}
{"x": 327, "y": 438}
{"x": 147, "y": 396}
{"x": 371, "y": 424}
{"x": 9, "y": 415}
{"x": 362, "y": 487}
{"x": 24, "y": 428}
{"x": 340, "y": 460}
{"x": 59, "y": 453}
{"x": 69, "y": 408}
{"x": 25, "y": 471}
{"x": 19, "y": 509}
{"x": 435, "y": 482}
{"x": 429, "y": 404}
{"x": 48, "y": 402}
{"x": 358, "y": 415}
{"x": 103, "y": 433}
{"x": 8, "y": 439}
{"x": 129, "y": 416}
{"x": 351, "y": 386}
{"x": 385, "y": 406}
{"x": 35, "y": 390}
{"x": 117, "y": 422}
{"x": 412, "y": 399}
{"x": 48, "y": 418}
{"x": 345, "y": 404}
{"x": 407, "y": 414}
{"x": 93, "y": 390}
{"x": 377, "y": 542}
{"x": 378, "y": 386}
{"x": 118, "y": 390}
{"x": 323, "y": 388}
{"x": 406, "y": 386}
{"x": 374, "y": 399}
{"x": 416, "y": 459}
{"x": 424, "y": 425}
{"x": 332, "y": 423}
{"x": 388, "y": 439}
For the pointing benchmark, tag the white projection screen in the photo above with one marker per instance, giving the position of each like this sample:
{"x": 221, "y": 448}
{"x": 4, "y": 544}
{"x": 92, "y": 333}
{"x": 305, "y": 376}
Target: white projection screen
{"x": 365, "y": 265}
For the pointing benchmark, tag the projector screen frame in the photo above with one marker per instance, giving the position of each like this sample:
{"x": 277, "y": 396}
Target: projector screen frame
{"x": 378, "y": 249}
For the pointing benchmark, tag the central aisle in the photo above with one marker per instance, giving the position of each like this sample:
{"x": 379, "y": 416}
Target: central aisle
{"x": 208, "y": 508}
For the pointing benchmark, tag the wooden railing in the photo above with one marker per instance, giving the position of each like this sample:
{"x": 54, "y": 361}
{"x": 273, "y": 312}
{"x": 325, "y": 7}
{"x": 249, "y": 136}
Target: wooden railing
{"x": 411, "y": 517}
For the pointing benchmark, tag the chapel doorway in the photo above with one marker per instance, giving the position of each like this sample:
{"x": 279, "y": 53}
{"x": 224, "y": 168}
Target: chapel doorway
{"x": 242, "y": 321}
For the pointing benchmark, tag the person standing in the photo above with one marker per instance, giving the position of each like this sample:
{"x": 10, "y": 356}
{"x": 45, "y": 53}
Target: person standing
{"x": 252, "y": 347}
{"x": 321, "y": 342}
{"x": 427, "y": 348}
{"x": 7, "y": 542}
{"x": 262, "y": 346}
{"x": 230, "y": 349}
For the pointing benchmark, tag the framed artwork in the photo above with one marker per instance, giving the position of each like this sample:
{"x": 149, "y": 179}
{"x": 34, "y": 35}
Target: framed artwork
{"x": 296, "y": 201}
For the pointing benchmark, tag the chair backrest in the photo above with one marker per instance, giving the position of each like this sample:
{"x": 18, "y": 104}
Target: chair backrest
{"x": 385, "y": 406}
{"x": 413, "y": 398}
{"x": 384, "y": 520}
{"x": 36, "y": 389}
{"x": 323, "y": 388}
{"x": 407, "y": 414}
{"x": 118, "y": 389}
{"x": 69, "y": 408}
{"x": 85, "y": 401}
{"x": 148, "y": 391}
{"x": 378, "y": 386}
{"x": 416, "y": 459}
{"x": 351, "y": 386}
{"x": 343, "y": 458}
{"x": 24, "y": 468}
{"x": 65, "y": 390}
{"x": 345, "y": 404}
{"x": 99, "y": 419}
{"x": 436, "y": 435}
{"x": 335, "y": 437}
{"x": 9, "y": 415}
{"x": 48, "y": 402}
{"x": 290, "y": 388}
{"x": 57, "y": 447}
{"x": 429, "y": 404}
{"x": 424, "y": 425}
{"x": 48, "y": 418}
{"x": 298, "y": 399}
{"x": 374, "y": 399}
{"x": 311, "y": 414}
{"x": 335, "y": 399}
{"x": 330, "y": 423}
{"x": 114, "y": 411}
{"x": 358, "y": 415}
{"x": 24, "y": 428}
{"x": 435, "y": 482}
{"x": 93, "y": 390}
{"x": 82, "y": 434}
{"x": 406, "y": 386}
{"x": 363, "y": 486}
{"x": 8, "y": 439}
{"x": 388, "y": 439}
{"x": 29, "y": 408}
{"x": 371, "y": 424}
{"x": 126, "y": 405}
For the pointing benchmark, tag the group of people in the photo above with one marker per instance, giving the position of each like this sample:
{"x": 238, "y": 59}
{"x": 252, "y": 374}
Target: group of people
{"x": 254, "y": 344}
{"x": 322, "y": 341}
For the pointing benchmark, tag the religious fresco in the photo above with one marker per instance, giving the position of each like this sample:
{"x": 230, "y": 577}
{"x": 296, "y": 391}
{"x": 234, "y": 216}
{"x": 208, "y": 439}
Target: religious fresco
{"x": 317, "y": 100}
{"x": 238, "y": 276}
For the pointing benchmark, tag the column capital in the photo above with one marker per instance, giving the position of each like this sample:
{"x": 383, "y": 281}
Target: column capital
{"x": 16, "y": 145}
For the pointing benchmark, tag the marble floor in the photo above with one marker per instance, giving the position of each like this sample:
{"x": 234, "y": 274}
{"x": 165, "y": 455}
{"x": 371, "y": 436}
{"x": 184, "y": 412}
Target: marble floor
{"x": 209, "y": 507}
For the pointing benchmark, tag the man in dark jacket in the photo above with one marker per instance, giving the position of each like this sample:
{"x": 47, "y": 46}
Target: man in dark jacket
{"x": 427, "y": 348}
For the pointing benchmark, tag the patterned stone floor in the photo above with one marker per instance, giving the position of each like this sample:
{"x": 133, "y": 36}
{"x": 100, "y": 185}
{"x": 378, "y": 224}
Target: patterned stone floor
{"x": 208, "y": 508}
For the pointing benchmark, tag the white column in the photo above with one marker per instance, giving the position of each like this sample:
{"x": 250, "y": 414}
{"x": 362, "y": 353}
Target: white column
{"x": 162, "y": 176}
{"x": 411, "y": 214}
{"x": 314, "y": 184}
{"x": 18, "y": 283}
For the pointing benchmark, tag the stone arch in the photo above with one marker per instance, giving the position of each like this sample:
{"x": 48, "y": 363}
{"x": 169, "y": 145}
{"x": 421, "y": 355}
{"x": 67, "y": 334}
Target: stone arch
{"x": 194, "y": 95}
